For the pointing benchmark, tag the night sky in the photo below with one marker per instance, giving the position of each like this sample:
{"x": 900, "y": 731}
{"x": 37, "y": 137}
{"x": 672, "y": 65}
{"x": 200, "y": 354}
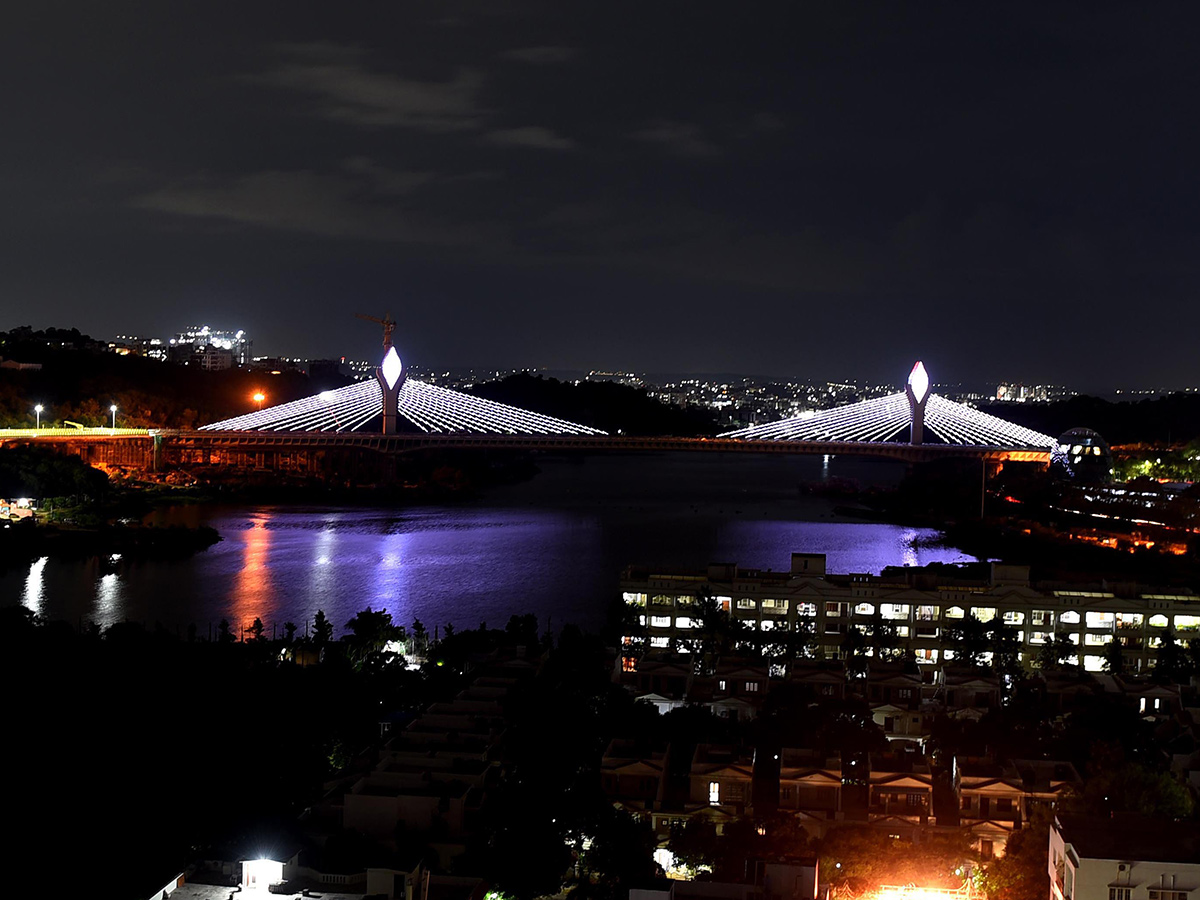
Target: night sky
{"x": 832, "y": 190}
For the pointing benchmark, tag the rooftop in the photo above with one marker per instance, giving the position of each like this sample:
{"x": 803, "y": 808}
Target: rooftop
{"x": 1133, "y": 838}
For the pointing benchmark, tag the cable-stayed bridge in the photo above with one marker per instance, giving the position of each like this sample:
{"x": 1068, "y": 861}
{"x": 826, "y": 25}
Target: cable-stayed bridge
{"x": 393, "y": 416}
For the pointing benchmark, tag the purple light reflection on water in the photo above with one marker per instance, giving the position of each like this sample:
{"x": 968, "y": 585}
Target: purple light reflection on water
{"x": 554, "y": 546}
{"x": 861, "y": 547}
{"x": 439, "y": 564}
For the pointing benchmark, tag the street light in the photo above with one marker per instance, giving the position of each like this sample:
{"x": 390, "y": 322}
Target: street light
{"x": 327, "y": 397}
{"x": 37, "y": 410}
{"x": 113, "y": 409}
{"x": 258, "y": 398}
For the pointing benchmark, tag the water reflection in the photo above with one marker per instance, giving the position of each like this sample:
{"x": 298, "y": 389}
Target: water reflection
{"x": 554, "y": 547}
{"x": 108, "y": 599}
{"x": 35, "y": 588}
{"x": 252, "y": 595}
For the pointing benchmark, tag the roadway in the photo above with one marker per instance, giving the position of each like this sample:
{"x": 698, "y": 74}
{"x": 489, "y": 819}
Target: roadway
{"x": 399, "y": 444}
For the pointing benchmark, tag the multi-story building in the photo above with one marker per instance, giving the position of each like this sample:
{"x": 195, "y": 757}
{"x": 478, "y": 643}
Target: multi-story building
{"x": 917, "y": 606}
{"x": 1124, "y": 858}
{"x": 995, "y": 798}
{"x": 185, "y": 343}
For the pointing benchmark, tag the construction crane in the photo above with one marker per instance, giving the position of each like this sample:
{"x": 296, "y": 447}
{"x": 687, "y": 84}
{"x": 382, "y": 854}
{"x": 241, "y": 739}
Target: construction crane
{"x": 388, "y": 323}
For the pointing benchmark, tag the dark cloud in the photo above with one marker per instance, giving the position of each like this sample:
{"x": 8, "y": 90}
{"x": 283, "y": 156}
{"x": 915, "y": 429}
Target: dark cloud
{"x": 346, "y": 88}
{"x": 540, "y": 56}
{"x": 798, "y": 189}
{"x": 534, "y": 136}
{"x": 681, "y": 138}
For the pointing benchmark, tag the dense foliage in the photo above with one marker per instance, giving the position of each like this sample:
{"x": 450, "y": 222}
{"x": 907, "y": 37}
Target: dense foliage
{"x": 612, "y": 407}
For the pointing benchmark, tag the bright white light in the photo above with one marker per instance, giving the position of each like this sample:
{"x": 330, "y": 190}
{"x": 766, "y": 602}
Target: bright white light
{"x": 112, "y": 408}
{"x": 884, "y": 418}
{"x": 918, "y": 380}
{"x": 260, "y": 874}
{"x": 431, "y": 409}
{"x": 392, "y": 367}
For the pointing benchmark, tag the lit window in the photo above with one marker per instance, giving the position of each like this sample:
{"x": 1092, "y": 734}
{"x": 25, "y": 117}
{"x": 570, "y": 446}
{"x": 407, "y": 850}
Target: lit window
{"x": 865, "y": 609}
{"x": 1116, "y": 893}
{"x": 985, "y": 613}
{"x": 714, "y": 792}
{"x": 1158, "y": 621}
{"x": 752, "y": 687}
{"x": 721, "y": 685}
{"x": 660, "y": 642}
{"x": 634, "y": 599}
{"x": 1012, "y": 617}
{"x": 1070, "y": 617}
{"x": 955, "y": 612}
{"x": 746, "y": 603}
{"x": 684, "y": 622}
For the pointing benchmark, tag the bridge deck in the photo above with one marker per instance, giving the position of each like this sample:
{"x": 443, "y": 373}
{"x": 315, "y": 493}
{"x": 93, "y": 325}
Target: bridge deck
{"x": 407, "y": 443}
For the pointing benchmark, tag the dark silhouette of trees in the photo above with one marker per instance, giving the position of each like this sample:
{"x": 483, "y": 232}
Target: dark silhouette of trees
{"x": 1172, "y": 664}
{"x": 322, "y": 629}
{"x": 968, "y": 640}
{"x": 1053, "y": 654}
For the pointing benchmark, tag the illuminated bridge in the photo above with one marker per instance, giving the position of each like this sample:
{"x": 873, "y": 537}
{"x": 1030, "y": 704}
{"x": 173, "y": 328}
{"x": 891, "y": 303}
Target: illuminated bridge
{"x": 914, "y": 413}
{"x": 365, "y": 427}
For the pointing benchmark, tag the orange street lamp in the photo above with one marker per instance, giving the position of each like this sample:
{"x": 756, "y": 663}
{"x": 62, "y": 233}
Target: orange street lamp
{"x": 258, "y": 398}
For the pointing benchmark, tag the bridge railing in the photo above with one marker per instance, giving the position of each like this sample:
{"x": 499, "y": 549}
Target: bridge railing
{"x": 73, "y": 432}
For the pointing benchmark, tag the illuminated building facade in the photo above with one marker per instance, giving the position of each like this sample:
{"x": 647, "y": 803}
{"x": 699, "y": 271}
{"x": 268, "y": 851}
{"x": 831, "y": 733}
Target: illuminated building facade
{"x": 197, "y": 337}
{"x": 920, "y": 605}
{"x": 1082, "y": 455}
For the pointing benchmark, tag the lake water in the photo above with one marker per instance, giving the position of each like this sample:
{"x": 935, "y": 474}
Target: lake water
{"x": 554, "y": 546}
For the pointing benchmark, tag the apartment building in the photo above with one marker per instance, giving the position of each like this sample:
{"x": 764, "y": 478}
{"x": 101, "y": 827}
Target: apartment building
{"x": 1124, "y": 858}
{"x": 917, "y": 606}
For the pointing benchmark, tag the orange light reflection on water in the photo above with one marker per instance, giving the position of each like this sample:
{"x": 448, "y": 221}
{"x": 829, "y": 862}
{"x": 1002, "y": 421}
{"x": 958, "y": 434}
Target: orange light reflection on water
{"x": 251, "y": 593}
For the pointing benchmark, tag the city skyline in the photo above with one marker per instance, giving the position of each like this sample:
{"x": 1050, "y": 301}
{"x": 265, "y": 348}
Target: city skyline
{"x": 660, "y": 189}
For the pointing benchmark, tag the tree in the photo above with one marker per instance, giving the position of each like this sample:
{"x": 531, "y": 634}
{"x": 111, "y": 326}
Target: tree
{"x": 861, "y": 858}
{"x": 322, "y": 629}
{"x": 882, "y": 637}
{"x": 1005, "y": 647}
{"x": 1051, "y": 655}
{"x": 1114, "y": 659}
{"x": 716, "y": 631}
{"x": 694, "y": 844}
{"x": 621, "y": 854}
{"x": 969, "y": 640}
{"x": 1115, "y": 784}
{"x": 420, "y": 637}
{"x": 1171, "y": 664}
{"x": 289, "y": 632}
{"x": 371, "y": 630}
{"x": 256, "y": 630}
{"x": 224, "y": 635}
{"x": 1020, "y": 874}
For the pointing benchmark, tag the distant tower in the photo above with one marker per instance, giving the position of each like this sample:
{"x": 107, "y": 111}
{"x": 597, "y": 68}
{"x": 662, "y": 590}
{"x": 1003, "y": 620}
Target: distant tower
{"x": 390, "y": 374}
{"x": 918, "y": 392}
